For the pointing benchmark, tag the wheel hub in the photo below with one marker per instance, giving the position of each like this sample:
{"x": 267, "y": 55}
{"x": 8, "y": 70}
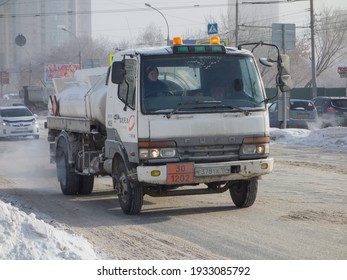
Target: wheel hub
{"x": 123, "y": 187}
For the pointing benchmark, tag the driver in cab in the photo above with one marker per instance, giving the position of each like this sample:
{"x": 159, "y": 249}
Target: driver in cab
{"x": 217, "y": 89}
{"x": 154, "y": 87}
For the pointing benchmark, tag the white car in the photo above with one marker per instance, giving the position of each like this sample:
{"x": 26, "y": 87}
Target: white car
{"x": 18, "y": 121}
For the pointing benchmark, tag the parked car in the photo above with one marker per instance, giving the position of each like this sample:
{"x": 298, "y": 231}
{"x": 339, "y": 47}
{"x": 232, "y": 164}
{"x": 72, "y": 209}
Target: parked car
{"x": 332, "y": 111}
{"x": 12, "y": 96}
{"x": 302, "y": 113}
{"x": 18, "y": 121}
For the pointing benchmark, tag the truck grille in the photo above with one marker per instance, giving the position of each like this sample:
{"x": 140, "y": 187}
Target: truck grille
{"x": 213, "y": 153}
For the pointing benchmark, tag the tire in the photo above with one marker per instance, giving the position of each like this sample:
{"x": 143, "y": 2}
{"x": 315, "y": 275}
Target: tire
{"x": 86, "y": 184}
{"x": 130, "y": 194}
{"x": 36, "y": 136}
{"x": 68, "y": 179}
{"x": 243, "y": 193}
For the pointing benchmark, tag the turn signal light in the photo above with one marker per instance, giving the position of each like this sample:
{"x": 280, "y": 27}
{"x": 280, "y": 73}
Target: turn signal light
{"x": 155, "y": 173}
{"x": 264, "y": 166}
{"x": 215, "y": 40}
{"x": 177, "y": 41}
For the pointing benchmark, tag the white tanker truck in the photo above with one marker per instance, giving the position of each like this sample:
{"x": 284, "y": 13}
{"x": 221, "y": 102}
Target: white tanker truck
{"x": 172, "y": 137}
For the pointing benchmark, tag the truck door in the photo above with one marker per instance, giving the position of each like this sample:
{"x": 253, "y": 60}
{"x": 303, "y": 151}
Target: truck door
{"x": 123, "y": 111}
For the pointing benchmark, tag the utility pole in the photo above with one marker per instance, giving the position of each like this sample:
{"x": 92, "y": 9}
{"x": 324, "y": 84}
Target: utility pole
{"x": 167, "y": 24}
{"x": 237, "y": 23}
{"x": 314, "y": 83}
{"x": 78, "y": 41}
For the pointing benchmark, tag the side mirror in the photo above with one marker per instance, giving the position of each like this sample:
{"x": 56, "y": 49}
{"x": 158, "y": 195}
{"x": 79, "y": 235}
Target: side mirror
{"x": 285, "y": 83}
{"x": 118, "y": 72}
{"x": 266, "y": 61}
{"x": 285, "y": 80}
{"x": 285, "y": 67}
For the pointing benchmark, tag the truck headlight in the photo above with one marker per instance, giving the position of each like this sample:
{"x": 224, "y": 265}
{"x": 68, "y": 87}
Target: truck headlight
{"x": 153, "y": 150}
{"x": 259, "y": 149}
{"x": 255, "y": 146}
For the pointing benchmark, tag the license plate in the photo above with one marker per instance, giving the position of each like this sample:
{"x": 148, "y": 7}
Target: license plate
{"x": 303, "y": 116}
{"x": 180, "y": 173}
{"x": 212, "y": 171}
{"x": 20, "y": 129}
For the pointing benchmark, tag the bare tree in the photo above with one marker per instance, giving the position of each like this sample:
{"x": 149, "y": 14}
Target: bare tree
{"x": 151, "y": 36}
{"x": 300, "y": 66}
{"x": 331, "y": 39}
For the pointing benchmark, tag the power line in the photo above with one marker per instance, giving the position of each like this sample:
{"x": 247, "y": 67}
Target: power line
{"x": 40, "y": 14}
{"x": 3, "y": 3}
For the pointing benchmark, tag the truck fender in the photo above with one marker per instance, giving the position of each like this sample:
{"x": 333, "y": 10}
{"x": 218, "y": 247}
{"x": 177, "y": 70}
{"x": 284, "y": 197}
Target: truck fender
{"x": 115, "y": 151}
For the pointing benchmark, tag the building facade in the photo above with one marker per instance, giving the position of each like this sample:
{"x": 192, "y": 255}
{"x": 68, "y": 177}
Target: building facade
{"x": 40, "y": 22}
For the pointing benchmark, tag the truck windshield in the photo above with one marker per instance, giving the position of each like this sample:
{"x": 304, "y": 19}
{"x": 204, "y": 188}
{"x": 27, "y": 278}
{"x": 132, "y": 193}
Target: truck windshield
{"x": 200, "y": 84}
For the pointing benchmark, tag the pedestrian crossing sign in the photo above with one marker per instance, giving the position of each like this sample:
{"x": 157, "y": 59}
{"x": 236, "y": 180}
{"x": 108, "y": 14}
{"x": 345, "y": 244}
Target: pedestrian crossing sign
{"x": 212, "y": 28}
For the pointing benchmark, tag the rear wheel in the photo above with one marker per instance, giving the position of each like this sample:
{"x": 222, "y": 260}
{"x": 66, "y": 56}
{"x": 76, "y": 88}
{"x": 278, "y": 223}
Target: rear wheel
{"x": 244, "y": 193}
{"x": 130, "y": 194}
{"x": 68, "y": 179}
{"x": 86, "y": 184}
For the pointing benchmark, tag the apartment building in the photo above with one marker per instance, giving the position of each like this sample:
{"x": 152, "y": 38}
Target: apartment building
{"x": 38, "y": 21}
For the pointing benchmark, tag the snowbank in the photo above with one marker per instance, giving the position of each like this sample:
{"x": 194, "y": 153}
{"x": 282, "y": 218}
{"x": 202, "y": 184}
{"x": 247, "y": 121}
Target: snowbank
{"x": 24, "y": 237}
{"x": 334, "y": 138}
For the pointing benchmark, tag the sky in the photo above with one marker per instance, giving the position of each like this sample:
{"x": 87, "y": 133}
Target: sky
{"x": 124, "y": 20}
{"x": 27, "y": 237}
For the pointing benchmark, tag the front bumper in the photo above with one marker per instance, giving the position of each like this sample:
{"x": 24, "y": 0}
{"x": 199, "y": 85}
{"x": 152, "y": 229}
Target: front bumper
{"x": 240, "y": 170}
{"x": 22, "y": 131}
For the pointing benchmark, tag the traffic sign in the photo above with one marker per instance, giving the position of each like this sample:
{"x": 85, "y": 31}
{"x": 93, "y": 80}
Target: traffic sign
{"x": 20, "y": 40}
{"x": 4, "y": 78}
{"x": 283, "y": 35}
{"x": 342, "y": 70}
{"x": 212, "y": 28}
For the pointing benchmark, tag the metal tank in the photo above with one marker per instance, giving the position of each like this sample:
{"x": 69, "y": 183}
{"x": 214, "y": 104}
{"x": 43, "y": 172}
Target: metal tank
{"x": 83, "y": 96}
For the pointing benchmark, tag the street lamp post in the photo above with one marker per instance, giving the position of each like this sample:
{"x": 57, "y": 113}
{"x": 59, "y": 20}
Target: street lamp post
{"x": 237, "y": 23}
{"x": 313, "y": 52}
{"x": 78, "y": 41}
{"x": 167, "y": 25}
{"x": 20, "y": 41}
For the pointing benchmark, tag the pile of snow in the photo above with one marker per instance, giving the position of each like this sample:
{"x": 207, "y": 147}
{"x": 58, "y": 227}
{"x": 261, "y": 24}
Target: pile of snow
{"x": 24, "y": 237}
{"x": 334, "y": 138}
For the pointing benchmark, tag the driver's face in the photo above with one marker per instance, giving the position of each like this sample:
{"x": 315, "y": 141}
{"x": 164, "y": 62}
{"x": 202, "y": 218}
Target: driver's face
{"x": 218, "y": 93}
{"x": 153, "y": 75}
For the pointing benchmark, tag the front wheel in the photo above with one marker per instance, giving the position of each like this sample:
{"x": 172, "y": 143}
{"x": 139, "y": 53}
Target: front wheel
{"x": 130, "y": 194}
{"x": 243, "y": 193}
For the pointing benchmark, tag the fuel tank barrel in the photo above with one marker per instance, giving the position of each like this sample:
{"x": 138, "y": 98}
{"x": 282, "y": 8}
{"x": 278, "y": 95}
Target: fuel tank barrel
{"x": 83, "y": 96}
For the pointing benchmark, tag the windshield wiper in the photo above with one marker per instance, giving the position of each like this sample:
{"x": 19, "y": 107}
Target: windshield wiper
{"x": 181, "y": 105}
{"x": 232, "y": 107}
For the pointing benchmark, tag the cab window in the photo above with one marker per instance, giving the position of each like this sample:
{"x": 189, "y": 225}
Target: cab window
{"x": 127, "y": 89}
